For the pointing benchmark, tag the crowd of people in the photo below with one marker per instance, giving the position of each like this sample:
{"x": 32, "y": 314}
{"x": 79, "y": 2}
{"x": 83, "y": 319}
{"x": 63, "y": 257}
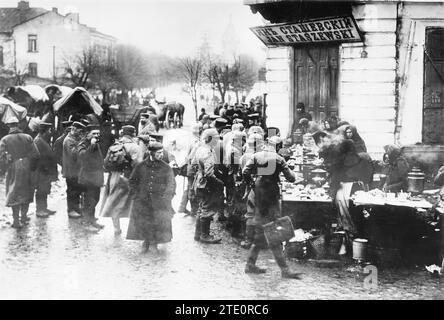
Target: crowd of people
{"x": 232, "y": 168}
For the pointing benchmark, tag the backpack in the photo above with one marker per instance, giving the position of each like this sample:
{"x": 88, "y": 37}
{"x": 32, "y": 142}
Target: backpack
{"x": 117, "y": 157}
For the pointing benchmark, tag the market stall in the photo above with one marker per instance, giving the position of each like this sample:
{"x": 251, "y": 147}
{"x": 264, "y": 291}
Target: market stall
{"x": 401, "y": 228}
{"x": 397, "y": 229}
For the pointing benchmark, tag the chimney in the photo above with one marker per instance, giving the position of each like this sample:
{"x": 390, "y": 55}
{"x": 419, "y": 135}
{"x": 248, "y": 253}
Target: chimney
{"x": 73, "y": 16}
{"x": 55, "y": 10}
{"x": 23, "y": 5}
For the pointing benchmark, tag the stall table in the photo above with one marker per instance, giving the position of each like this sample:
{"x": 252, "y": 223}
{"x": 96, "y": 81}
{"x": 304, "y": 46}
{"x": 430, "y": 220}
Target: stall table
{"x": 401, "y": 225}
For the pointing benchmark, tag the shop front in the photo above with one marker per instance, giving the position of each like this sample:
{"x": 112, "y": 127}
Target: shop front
{"x": 380, "y": 66}
{"x": 376, "y": 64}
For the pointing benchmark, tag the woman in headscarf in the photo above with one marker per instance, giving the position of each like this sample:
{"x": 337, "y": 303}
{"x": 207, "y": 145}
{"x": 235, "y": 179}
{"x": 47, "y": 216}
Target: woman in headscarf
{"x": 349, "y": 172}
{"x": 350, "y": 132}
{"x": 398, "y": 169}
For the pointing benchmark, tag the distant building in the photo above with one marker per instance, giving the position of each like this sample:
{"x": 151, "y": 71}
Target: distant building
{"x": 41, "y": 42}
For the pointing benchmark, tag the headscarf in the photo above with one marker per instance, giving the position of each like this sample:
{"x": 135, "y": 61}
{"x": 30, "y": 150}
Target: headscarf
{"x": 393, "y": 152}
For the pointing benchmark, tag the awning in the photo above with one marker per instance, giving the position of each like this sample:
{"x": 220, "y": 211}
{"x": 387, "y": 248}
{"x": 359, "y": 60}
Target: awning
{"x": 36, "y": 92}
{"x": 78, "y": 100}
{"x": 10, "y": 111}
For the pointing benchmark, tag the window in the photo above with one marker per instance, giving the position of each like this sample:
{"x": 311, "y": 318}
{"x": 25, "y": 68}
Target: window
{"x": 32, "y": 69}
{"x": 433, "y": 107}
{"x": 32, "y": 43}
{"x": 1, "y": 56}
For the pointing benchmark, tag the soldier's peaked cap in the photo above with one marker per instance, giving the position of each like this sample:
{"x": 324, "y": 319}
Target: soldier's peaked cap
{"x": 45, "y": 125}
{"x": 79, "y": 125}
{"x": 91, "y": 127}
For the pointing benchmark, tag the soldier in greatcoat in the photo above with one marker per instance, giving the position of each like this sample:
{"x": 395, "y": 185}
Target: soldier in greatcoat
{"x": 116, "y": 202}
{"x": 266, "y": 165}
{"x": 46, "y": 171}
{"x": 152, "y": 187}
{"x": 71, "y": 167}
{"x": 18, "y": 155}
{"x": 58, "y": 144}
{"x": 207, "y": 185}
{"x": 91, "y": 173}
{"x": 188, "y": 194}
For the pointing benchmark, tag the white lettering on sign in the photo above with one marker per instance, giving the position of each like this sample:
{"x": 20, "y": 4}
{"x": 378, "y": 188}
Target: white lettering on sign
{"x": 339, "y": 29}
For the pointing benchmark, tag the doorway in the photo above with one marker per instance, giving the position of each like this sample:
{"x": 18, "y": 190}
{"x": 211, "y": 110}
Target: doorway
{"x": 316, "y": 81}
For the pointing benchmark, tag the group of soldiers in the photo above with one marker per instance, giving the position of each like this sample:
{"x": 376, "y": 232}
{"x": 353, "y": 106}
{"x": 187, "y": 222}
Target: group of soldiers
{"x": 233, "y": 173}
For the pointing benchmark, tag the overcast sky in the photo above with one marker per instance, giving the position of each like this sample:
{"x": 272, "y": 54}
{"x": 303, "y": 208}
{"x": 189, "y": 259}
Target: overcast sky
{"x": 175, "y": 27}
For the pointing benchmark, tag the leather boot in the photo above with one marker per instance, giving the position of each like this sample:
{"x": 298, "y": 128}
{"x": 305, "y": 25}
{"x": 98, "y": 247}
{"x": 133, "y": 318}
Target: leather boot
{"x": 251, "y": 261}
{"x": 197, "y": 231}
{"x": 282, "y": 263}
{"x": 15, "y": 216}
{"x": 205, "y": 236}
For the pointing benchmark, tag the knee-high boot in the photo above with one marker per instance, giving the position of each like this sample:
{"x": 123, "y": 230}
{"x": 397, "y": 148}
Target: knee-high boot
{"x": 198, "y": 229}
{"x": 16, "y": 216}
{"x": 251, "y": 261}
{"x": 282, "y": 263}
{"x": 205, "y": 236}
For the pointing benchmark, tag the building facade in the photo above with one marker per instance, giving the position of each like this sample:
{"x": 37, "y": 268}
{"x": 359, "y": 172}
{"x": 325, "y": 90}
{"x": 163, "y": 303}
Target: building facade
{"x": 389, "y": 83}
{"x": 42, "y": 42}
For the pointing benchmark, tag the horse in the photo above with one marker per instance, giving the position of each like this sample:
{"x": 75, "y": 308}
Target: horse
{"x": 169, "y": 112}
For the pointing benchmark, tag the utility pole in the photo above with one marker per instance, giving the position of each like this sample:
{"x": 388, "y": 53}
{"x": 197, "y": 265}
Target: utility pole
{"x": 53, "y": 64}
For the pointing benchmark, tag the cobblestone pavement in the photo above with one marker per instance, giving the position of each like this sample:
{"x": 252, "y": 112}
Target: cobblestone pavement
{"x": 57, "y": 258}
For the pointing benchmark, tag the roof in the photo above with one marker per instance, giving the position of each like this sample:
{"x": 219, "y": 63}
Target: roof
{"x": 11, "y": 17}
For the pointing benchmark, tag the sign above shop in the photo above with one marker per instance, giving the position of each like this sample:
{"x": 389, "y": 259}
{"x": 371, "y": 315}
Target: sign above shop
{"x": 336, "y": 29}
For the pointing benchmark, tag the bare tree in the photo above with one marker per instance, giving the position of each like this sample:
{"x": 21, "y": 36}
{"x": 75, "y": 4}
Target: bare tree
{"x": 10, "y": 78}
{"x": 191, "y": 70}
{"x": 132, "y": 68}
{"x": 80, "y": 69}
{"x": 105, "y": 78}
{"x": 219, "y": 76}
{"x": 244, "y": 74}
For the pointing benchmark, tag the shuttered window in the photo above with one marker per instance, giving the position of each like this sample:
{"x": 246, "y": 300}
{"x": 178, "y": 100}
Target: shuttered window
{"x": 433, "y": 112}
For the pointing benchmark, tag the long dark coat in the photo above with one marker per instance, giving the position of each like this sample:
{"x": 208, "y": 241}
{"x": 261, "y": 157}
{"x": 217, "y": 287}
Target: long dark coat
{"x": 46, "y": 171}
{"x": 19, "y": 153}
{"x": 267, "y": 165}
{"x": 58, "y": 146}
{"x": 91, "y": 164}
{"x": 116, "y": 202}
{"x": 152, "y": 187}
{"x": 70, "y": 161}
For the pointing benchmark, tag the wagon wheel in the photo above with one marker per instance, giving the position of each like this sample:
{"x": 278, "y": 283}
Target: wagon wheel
{"x": 176, "y": 120}
{"x": 167, "y": 120}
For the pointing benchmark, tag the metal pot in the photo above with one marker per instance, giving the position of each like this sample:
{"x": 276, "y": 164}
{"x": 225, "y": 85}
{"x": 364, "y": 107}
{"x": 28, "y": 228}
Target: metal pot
{"x": 318, "y": 176}
{"x": 415, "y": 180}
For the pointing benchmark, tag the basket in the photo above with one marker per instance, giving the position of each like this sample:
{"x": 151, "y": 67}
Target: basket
{"x": 317, "y": 247}
{"x": 296, "y": 250}
{"x": 334, "y": 245}
{"x": 279, "y": 231}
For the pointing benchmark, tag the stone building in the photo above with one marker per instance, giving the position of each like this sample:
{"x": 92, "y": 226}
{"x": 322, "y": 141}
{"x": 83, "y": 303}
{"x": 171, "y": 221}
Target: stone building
{"x": 42, "y": 42}
{"x": 386, "y": 75}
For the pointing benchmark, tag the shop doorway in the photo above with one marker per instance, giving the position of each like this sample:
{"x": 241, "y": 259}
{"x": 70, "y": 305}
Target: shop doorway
{"x": 433, "y": 112}
{"x": 316, "y": 81}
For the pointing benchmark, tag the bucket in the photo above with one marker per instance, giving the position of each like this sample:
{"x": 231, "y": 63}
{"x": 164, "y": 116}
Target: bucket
{"x": 415, "y": 180}
{"x": 360, "y": 249}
